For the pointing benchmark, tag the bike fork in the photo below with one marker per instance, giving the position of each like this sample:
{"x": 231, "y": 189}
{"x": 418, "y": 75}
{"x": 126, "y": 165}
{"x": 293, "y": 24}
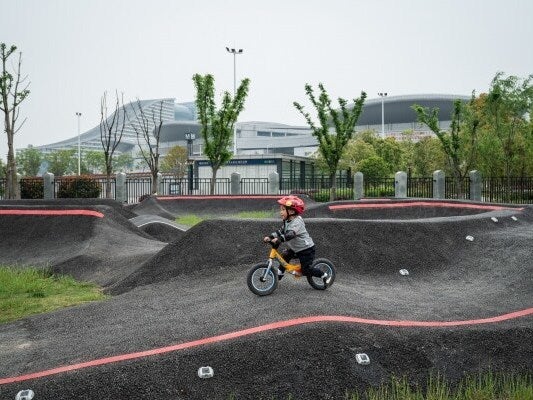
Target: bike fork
{"x": 267, "y": 270}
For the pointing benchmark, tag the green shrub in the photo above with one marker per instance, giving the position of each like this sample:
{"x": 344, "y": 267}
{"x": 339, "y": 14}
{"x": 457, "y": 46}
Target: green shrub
{"x": 83, "y": 187}
{"x": 32, "y": 188}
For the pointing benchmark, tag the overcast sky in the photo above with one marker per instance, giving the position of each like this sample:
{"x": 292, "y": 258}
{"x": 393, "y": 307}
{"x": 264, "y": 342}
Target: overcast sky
{"x": 74, "y": 50}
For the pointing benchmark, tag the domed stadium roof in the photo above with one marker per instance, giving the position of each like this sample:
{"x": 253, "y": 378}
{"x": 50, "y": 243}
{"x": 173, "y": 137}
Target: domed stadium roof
{"x": 173, "y": 131}
{"x": 397, "y": 109}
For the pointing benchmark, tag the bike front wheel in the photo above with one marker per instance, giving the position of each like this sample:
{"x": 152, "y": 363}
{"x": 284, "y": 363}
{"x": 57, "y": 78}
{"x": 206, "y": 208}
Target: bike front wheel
{"x": 259, "y": 283}
{"x": 324, "y": 265}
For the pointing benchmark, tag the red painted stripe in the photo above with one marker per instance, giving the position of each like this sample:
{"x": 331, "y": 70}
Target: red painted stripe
{"x": 264, "y": 328}
{"x": 423, "y": 204}
{"x": 238, "y": 197}
{"x": 90, "y": 213}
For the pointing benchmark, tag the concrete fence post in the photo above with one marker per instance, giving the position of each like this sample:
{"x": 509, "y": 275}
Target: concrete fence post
{"x": 48, "y": 186}
{"x": 475, "y": 185}
{"x": 439, "y": 185}
{"x": 358, "y": 186}
{"x": 273, "y": 183}
{"x": 121, "y": 193}
{"x": 235, "y": 183}
{"x": 17, "y": 188}
{"x": 159, "y": 184}
{"x": 400, "y": 184}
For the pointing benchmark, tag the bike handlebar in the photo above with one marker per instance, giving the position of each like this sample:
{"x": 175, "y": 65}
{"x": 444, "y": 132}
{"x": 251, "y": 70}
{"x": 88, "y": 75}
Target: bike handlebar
{"x": 274, "y": 245}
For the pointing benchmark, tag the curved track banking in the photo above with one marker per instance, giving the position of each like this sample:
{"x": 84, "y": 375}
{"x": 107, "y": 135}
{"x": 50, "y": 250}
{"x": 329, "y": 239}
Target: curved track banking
{"x": 264, "y": 328}
{"x": 89, "y": 213}
{"x": 424, "y": 204}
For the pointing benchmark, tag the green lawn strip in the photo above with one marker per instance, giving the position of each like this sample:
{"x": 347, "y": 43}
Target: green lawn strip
{"x": 28, "y": 291}
{"x": 193, "y": 219}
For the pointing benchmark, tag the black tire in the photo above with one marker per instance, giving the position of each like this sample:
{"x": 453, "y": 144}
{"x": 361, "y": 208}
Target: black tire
{"x": 324, "y": 265}
{"x": 254, "y": 279}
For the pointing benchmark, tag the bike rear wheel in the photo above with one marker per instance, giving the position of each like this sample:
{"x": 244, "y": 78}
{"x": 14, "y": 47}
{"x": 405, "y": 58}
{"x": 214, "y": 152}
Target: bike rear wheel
{"x": 324, "y": 265}
{"x": 260, "y": 284}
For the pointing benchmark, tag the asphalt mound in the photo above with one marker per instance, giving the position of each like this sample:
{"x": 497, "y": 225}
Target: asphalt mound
{"x": 172, "y": 206}
{"x": 100, "y": 250}
{"x": 370, "y": 247}
{"x": 160, "y": 228}
{"x": 402, "y": 209}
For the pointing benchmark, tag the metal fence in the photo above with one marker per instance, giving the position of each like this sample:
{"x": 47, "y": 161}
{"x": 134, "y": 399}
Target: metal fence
{"x": 517, "y": 190}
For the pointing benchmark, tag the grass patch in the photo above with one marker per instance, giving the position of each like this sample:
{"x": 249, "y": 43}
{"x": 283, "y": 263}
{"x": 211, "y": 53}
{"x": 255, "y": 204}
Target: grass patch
{"x": 255, "y": 214}
{"x": 189, "y": 219}
{"x": 32, "y": 291}
{"x": 193, "y": 219}
{"x": 483, "y": 386}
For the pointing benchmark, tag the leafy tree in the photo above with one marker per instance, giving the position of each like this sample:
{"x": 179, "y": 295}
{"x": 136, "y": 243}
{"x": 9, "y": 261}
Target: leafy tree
{"x": 407, "y": 146}
{"x": 12, "y": 94}
{"x": 95, "y": 161}
{"x": 61, "y": 162}
{"x": 148, "y": 125}
{"x": 356, "y": 150}
{"x": 175, "y": 161}
{"x": 29, "y": 161}
{"x": 217, "y": 125}
{"x": 331, "y": 146}
{"x": 111, "y": 131}
{"x": 123, "y": 162}
{"x": 508, "y": 106}
{"x": 391, "y": 152}
{"x": 428, "y": 157}
{"x": 373, "y": 167}
{"x": 459, "y": 142}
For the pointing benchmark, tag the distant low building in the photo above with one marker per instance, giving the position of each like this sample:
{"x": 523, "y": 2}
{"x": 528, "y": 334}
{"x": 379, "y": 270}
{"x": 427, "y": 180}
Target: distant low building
{"x": 393, "y": 115}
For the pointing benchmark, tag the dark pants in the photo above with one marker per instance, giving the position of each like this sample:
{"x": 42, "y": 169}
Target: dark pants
{"x": 306, "y": 258}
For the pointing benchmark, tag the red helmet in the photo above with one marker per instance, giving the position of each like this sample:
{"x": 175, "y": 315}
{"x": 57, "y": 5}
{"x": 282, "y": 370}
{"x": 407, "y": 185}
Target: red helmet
{"x": 293, "y": 202}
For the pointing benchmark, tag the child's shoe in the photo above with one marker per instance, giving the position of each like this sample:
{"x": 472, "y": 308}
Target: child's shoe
{"x": 281, "y": 274}
{"x": 326, "y": 278}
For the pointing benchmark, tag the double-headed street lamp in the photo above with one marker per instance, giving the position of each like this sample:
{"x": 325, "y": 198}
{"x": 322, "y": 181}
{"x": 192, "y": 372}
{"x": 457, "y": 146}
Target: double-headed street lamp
{"x": 382, "y": 95}
{"x": 234, "y": 52}
{"x": 78, "y": 114}
{"x": 190, "y": 137}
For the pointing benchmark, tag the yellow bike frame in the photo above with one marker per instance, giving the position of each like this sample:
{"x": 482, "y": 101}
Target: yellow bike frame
{"x": 294, "y": 269}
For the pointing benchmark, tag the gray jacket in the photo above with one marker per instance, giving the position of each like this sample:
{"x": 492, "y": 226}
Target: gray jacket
{"x": 294, "y": 233}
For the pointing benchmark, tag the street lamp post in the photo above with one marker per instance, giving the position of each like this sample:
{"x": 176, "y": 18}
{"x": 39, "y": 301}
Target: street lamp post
{"x": 78, "y": 114}
{"x": 190, "y": 137}
{"x": 382, "y": 95}
{"x": 234, "y": 52}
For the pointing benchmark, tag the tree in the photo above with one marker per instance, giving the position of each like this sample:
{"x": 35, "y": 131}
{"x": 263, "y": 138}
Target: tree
{"x": 148, "y": 125}
{"x": 458, "y": 143}
{"x": 428, "y": 157}
{"x": 391, "y": 152}
{"x": 330, "y": 146}
{"x": 217, "y": 125}
{"x": 175, "y": 162}
{"x": 61, "y": 162}
{"x": 373, "y": 167}
{"x": 508, "y": 106}
{"x": 29, "y": 161}
{"x": 13, "y": 92}
{"x": 123, "y": 162}
{"x": 95, "y": 161}
{"x": 356, "y": 150}
{"x": 111, "y": 131}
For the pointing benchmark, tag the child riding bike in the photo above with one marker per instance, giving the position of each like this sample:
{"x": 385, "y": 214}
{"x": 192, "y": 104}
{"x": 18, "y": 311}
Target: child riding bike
{"x": 299, "y": 242}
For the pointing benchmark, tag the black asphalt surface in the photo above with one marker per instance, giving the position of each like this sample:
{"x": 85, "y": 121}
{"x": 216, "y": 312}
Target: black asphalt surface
{"x": 172, "y": 287}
